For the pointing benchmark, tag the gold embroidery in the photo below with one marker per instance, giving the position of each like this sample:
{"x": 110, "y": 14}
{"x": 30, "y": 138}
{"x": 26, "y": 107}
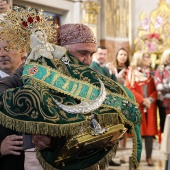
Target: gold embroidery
{"x": 79, "y": 89}
{"x": 89, "y": 92}
{"x": 54, "y": 79}
{"x": 66, "y": 84}
{"x": 73, "y": 89}
{"x": 46, "y": 75}
{"x": 108, "y": 81}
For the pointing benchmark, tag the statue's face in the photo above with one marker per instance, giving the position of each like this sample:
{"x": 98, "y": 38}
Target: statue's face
{"x": 40, "y": 36}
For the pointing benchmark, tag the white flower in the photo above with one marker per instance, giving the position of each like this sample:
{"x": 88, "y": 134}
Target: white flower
{"x": 158, "y": 22}
{"x": 145, "y": 23}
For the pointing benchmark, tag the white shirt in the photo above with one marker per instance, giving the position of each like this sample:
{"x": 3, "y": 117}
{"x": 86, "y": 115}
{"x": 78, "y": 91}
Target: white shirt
{"x": 3, "y": 74}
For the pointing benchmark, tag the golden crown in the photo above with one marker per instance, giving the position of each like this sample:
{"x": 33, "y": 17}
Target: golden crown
{"x": 18, "y": 24}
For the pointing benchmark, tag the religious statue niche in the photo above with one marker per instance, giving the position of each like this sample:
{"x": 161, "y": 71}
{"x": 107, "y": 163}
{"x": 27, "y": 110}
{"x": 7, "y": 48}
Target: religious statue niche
{"x": 154, "y": 32}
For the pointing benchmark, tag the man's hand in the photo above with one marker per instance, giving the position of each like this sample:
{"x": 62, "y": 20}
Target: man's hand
{"x": 11, "y": 145}
{"x": 41, "y": 141}
{"x": 4, "y": 6}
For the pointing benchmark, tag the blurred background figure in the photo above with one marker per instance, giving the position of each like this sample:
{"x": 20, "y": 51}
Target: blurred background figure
{"x": 99, "y": 63}
{"x": 162, "y": 82}
{"x": 10, "y": 60}
{"x": 4, "y": 6}
{"x": 120, "y": 65}
{"x": 141, "y": 82}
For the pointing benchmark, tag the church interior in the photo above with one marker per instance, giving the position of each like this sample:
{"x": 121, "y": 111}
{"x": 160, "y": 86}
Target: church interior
{"x": 133, "y": 25}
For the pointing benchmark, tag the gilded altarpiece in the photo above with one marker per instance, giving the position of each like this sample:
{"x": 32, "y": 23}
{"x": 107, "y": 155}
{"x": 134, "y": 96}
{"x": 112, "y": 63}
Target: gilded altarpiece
{"x": 116, "y": 26}
{"x": 154, "y": 32}
{"x": 117, "y": 14}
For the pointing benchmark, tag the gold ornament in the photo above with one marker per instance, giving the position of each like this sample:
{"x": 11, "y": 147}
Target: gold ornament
{"x": 17, "y": 26}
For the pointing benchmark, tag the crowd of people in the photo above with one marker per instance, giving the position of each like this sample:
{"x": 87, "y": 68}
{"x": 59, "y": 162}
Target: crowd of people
{"x": 134, "y": 92}
{"x": 151, "y": 90}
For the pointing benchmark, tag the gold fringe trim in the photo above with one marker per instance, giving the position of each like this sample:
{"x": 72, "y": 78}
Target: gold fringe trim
{"x": 44, "y": 164}
{"x": 63, "y": 130}
{"x": 108, "y": 119}
{"x": 135, "y": 163}
{"x": 54, "y": 129}
{"x": 42, "y": 127}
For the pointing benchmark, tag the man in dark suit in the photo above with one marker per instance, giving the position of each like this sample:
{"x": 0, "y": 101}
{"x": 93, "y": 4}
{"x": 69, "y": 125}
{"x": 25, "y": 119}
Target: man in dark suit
{"x": 11, "y": 151}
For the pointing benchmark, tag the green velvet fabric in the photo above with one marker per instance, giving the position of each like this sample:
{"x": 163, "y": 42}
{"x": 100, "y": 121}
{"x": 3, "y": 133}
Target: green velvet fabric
{"x": 30, "y": 108}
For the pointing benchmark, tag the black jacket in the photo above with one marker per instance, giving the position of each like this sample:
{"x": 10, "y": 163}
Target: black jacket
{"x": 11, "y": 162}
{"x": 12, "y": 81}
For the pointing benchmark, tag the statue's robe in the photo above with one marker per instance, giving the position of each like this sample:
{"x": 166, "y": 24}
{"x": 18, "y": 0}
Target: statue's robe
{"x": 30, "y": 109}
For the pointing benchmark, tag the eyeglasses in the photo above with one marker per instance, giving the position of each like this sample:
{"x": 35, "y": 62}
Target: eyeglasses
{"x": 8, "y": 49}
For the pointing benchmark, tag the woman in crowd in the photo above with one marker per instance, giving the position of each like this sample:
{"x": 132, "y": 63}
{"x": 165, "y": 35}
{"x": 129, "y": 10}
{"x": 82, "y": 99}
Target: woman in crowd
{"x": 120, "y": 65}
{"x": 141, "y": 82}
{"x": 162, "y": 82}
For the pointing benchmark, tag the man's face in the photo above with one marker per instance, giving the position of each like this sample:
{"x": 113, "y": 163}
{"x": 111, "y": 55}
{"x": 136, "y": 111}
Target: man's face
{"x": 10, "y": 59}
{"x": 101, "y": 56}
{"x": 82, "y": 51}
